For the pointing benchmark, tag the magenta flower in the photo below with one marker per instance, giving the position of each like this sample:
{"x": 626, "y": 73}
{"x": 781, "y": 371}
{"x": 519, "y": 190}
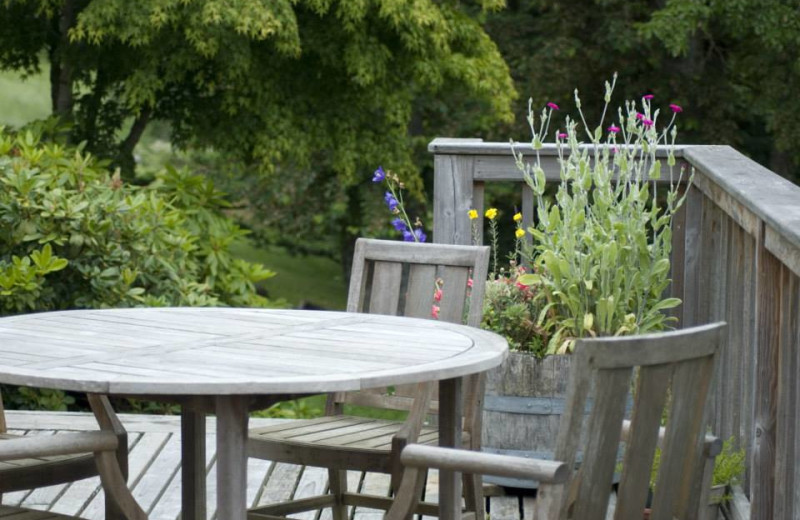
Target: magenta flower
{"x": 613, "y": 129}
{"x": 648, "y": 97}
{"x": 437, "y": 295}
{"x": 435, "y": 312}
{"x": 562, "y": 135}
{"x": 639, "y": 116}
{"x": 675, "y": 108}
{"x": 647, "y": 122}
{"x": 614, "y": 149}
{"x": 552, "y": 106}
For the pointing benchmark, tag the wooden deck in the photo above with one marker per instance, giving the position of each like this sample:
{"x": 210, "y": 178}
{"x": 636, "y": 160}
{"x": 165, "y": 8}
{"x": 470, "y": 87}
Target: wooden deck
{"x": 154, "y": 443}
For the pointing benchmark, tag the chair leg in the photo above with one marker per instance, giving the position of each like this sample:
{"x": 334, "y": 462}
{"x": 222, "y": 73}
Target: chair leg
{"x": 337, "y": 479}
{"x": 113, "y": 512}
{"x": 473, "y": 495}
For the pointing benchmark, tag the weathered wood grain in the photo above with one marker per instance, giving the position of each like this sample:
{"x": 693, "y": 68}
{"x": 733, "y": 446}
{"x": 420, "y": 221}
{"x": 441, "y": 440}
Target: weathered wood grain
{"x": 762, "y": 471}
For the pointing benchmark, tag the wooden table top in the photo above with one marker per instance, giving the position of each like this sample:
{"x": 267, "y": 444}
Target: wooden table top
{"x": 224, "y": 351}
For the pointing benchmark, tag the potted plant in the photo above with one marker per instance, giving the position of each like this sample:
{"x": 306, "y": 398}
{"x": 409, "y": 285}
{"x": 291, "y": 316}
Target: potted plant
{"x": 729, "y": 467}
{"x": 598, "y": 263}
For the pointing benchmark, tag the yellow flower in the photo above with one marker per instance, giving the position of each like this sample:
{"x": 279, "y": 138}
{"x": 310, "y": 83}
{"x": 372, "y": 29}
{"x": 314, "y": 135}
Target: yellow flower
{"x": 517, "y": 217}
{"x": 473, "y": 214}
{"x": 491, "y": 213}
{"x": 519, "y": 233}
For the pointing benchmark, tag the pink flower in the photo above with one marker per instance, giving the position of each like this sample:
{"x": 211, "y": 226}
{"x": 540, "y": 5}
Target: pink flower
{"x": 552, "y": 106}
{"x": 437, "y": 295}
{"x": 613, "y": 129}
{"x": 521, "y": 286}
{"x": 639, "y": 116}
{"x": 614, "y": 149}
{"x": 675, "y": 108}
{"x": 435, "y": 312}
{"x": 648, "y": 96}
{"x": 562, "y": 135}
{"x": 469, "y": 282}
{"x": 647, "y": 122}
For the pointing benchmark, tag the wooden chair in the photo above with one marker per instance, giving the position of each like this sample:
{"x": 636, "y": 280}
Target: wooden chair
{"x": 395, "y": 278}
{"x": 28, "y": 462}
{"x": 671, "y": 369}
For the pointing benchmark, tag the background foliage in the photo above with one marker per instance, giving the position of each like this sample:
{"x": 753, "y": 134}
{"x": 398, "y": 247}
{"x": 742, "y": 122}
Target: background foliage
{"x": 732, "y": 64}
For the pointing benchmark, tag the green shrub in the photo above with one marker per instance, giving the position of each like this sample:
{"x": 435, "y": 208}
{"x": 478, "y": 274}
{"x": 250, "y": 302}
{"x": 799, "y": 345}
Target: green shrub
{"x": 74, "y": 236}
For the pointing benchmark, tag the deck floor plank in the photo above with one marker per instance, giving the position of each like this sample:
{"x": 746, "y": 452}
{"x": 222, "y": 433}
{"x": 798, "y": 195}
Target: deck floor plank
{"x": 154, "y": 472}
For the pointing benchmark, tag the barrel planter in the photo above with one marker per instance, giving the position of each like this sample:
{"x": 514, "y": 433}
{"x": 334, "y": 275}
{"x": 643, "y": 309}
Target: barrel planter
{"x": 522, "y": 408}
{"x": 523, "y": 404}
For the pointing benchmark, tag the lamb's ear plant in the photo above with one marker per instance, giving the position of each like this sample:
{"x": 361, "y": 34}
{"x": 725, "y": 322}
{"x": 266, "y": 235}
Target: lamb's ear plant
{"x": 602, "y": 244}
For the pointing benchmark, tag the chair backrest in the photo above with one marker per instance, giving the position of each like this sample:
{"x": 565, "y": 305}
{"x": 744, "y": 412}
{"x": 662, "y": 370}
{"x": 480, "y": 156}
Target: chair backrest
{"x": 672, "y": 370}
{"x": 402, "y": 278}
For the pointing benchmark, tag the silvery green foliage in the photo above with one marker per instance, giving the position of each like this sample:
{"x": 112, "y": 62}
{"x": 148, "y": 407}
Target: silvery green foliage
{"x": 602, "y": 246}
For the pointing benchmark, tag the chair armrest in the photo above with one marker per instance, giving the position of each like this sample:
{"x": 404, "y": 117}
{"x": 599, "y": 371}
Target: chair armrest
{"x": 66, "y": 444}
{"x": 465, "y": 461}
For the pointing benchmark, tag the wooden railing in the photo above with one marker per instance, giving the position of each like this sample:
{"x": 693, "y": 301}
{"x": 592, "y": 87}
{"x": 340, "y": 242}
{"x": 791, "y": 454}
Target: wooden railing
{"x": 736, "y": 257}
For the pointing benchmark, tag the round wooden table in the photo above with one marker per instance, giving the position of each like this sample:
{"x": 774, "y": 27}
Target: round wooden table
{"x": 221, "y": 360}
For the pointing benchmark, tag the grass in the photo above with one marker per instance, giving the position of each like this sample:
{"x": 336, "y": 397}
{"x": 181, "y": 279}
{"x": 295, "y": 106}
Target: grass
{"x": 313, "y": 280}
{"x": 21, "y": 100}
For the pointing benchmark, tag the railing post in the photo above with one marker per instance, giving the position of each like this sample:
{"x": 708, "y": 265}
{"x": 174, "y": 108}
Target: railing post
{"x": 453, "y": 186}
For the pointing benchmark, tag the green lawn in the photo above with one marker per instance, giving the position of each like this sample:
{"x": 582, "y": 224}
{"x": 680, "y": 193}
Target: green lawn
{"x": 300, "y": 279}
{"x": 23, "y": 100}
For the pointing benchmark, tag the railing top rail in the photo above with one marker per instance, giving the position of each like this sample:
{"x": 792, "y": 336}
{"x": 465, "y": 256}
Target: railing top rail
{"x": 770, "y": 197}
{"x": 458, "y": 146}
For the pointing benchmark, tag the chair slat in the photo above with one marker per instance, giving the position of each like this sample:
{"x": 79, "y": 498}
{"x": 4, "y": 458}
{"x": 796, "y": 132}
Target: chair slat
{"x": 651, "y": 394}
{"x": 683, "y": 440}
{"x": 385, "y": 294}
{"x": 605, "y": 427}
{"x": 421, "y": 289}
{"x": 454, "y": 289}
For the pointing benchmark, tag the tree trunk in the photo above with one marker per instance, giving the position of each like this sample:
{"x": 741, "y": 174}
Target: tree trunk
{"x": 61, "y": 70}
{"x": 125, "y": 159}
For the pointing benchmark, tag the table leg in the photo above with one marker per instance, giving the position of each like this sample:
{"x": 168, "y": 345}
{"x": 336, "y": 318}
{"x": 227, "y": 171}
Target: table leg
{"x": 193, "y": 464}
{"x": 232, "y": 418}
{"x": 450, "y": 413}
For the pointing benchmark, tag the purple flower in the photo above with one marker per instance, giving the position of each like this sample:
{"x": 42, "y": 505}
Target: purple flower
{"x": 552, "y": 106}
{"x": 379, "y": 175}
{"x": 408, "y": 236}
{"x": 647, "y": 122}
{"x": 648, "y": 96}
{"x": 562, "y": 135}
{"x": 390, "y": 200}
{"x": 675, "y": 108}
{"x": 420, "y": 234}
{"x": 399, "y": 224}
{"x": 613, "y": 129}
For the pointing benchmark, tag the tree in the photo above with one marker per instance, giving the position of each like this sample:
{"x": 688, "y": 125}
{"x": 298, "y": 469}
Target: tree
{"x": 303, "y": 97}
{"x": 326, "y": 83}
{"x": 733, "y": 64}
